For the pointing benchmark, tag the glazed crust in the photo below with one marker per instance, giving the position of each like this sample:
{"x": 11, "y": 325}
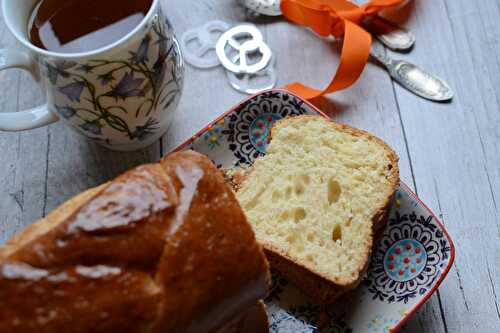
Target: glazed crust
{"x": 321, "y": 288}
{"x": 163, "y": 248}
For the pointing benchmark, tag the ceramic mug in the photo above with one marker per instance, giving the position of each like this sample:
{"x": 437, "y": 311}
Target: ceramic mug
{"x": 123, "y": 95}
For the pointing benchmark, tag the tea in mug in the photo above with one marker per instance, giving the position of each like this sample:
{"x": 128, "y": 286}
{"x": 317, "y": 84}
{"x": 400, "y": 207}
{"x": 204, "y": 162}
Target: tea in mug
{"x": 74, "y": 26}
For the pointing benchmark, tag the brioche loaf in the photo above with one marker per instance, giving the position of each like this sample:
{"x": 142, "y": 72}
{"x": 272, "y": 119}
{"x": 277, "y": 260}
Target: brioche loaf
{"x": 315, "y": 199}
{"x": 162, "y": 248}
{"x": 253, "y": 320}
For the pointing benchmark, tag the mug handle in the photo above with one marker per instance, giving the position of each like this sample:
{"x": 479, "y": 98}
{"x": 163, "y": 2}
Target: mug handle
{"x": 26, "y": 119}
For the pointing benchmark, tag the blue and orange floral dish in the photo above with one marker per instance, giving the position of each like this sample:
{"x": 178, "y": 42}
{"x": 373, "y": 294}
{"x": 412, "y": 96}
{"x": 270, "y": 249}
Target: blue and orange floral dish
{"x": 411, "y": 258}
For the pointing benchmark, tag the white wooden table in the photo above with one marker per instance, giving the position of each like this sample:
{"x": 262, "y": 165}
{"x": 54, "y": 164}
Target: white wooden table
{"x": 450, "y": 153}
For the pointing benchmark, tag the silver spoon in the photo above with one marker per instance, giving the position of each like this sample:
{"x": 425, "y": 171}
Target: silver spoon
{"x": 397, "y": 39}
{"x": 415, "y": 79}
{"x": 264, "y": 7}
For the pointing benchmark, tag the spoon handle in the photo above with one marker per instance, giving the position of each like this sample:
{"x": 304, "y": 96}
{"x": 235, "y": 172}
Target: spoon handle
{"x": 415, "y": 79}
{"x": 381, "y": 58}
{"x": 397, "y": 38}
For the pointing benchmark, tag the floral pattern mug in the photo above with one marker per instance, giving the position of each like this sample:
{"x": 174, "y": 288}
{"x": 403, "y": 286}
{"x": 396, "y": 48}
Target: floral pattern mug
{"x": 122, "y": 96}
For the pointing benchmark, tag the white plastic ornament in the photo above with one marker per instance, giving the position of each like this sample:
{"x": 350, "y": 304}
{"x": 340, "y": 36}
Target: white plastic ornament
{"x": 229, "y": 42}
{"x": 206, "y": 37}
{"x": 252, "y": 83}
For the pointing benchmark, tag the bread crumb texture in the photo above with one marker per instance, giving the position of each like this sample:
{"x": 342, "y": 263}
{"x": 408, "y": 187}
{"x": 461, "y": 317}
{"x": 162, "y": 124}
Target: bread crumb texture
{"x": 316, "y": 192}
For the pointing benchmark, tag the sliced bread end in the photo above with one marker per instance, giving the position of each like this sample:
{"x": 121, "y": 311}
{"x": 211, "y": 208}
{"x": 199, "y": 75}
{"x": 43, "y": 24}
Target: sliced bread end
{"x": 316, "y": 199}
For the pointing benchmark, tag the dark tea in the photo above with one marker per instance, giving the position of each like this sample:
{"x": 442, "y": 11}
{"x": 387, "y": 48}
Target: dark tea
{"x": 73, "y": 26}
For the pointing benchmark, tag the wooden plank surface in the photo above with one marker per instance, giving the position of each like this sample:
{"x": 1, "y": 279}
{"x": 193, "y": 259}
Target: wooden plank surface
{"x": 450, "y": 153}
{"x": 455, "y": 151}
{"x": 23, "y": 156}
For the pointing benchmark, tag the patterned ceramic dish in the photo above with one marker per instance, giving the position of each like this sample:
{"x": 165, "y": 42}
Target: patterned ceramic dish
{"x": 410, "y": 260}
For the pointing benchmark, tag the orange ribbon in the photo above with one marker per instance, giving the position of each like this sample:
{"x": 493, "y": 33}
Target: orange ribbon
{"x": 339, "y": 18}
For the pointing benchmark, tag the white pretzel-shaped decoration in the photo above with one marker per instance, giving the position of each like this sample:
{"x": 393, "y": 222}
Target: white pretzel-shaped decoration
{"x": 201, "y": 57}
{"x": 255, "y": 44}
{"x": 245, "y": 83}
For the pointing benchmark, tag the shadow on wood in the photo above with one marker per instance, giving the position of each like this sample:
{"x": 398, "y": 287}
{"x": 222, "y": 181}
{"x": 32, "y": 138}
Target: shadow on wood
{"x": 330, "y": 106}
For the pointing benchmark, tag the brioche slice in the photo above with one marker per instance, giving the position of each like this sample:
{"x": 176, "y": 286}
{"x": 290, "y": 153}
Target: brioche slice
{"x": 315, "y": 199}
